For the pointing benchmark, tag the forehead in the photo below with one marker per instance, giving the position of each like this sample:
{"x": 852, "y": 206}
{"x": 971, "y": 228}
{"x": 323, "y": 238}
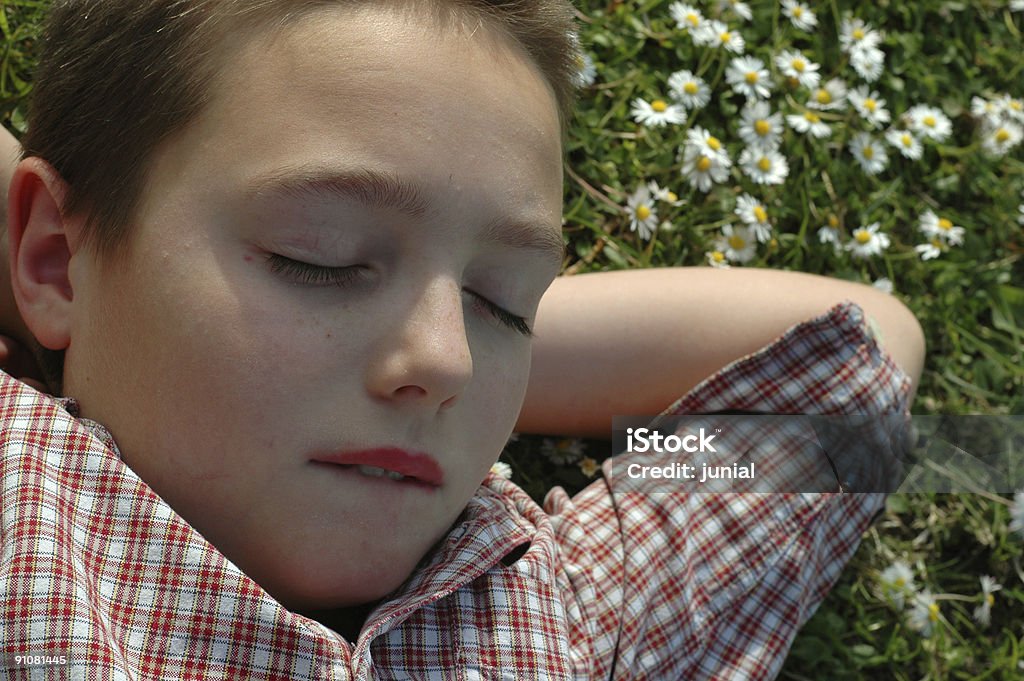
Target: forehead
{"x": 456, "y": 108}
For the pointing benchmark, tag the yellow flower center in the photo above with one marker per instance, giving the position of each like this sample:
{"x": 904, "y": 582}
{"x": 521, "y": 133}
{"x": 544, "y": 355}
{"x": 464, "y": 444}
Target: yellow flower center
{"x": 704, "y": 164}
{"x": 933, "y": 612}
{"x": 693, "y": 19}
{"x": 762, "y": 127}
{"x": 907, "y": 140}
{"x": 812, "y": 117}
{"x": 671, "y": 196}
{"x": 717, "y": 256}
{"x": 833, "y": 221}
{"x": 798, "y": 11}
{"x": 858, "y": 34}
{"x": 1016, "y": 105}
{"x": 643, "y": 212}
{"x": 899, "y": 583}
{"x": 823, "y": 96}
{"x": 751, "y": 77}
{"x": 929, "y": 121}
{"x": 773, "y": 244}
{"x": 870, "y": 104}
{"x": 691, "y": 88}
{"x": 659, "y": 105}
{"x": 1002, "y": 135}
{"x": 725, "y": 37}
{"x": 765, "y": 164}
{"x": 737, "y": 242}
{"x": 990, "y": 599}
{"x": 798, "y": 65}
{"x": 868, "y": 152}
{"x": 937, "y": 243}
{"x": 862, "y": 236}
{"x": 760, "y": 214}
{"x": 714, "y": 143}
{"x": 945, "y": 224}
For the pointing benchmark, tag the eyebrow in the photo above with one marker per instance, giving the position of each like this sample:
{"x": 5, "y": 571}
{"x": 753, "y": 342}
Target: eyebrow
{"x": 385, "y": 190}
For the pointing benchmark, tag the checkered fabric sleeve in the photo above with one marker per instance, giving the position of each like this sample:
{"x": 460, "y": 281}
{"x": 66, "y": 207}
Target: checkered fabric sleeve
{"x": 716, "y": 585}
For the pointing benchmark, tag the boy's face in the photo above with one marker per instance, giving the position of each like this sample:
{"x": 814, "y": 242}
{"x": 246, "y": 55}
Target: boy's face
{"x": 223, "y": 376}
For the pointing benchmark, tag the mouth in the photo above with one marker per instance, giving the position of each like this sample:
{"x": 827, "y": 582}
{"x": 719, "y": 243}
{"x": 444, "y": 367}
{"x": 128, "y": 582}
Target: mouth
{"x": 387, "y": 464}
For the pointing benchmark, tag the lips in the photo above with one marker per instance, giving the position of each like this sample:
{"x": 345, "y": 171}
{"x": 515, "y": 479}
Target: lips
{"x": 390, "y": 462}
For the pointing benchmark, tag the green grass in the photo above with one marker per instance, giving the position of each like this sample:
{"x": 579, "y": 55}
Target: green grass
{"x": 970, "y": 299}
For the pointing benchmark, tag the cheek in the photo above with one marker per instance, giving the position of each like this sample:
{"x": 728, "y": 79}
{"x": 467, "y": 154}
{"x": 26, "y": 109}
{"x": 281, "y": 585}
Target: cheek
{"x": 502, "y": 388}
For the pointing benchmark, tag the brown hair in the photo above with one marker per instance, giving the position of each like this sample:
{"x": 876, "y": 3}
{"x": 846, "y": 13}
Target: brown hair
{"x": 118, "y": 77}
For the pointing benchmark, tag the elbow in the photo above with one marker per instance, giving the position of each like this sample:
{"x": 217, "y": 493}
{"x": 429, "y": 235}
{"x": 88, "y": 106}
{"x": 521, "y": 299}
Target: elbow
{"x": 901, "y": 336}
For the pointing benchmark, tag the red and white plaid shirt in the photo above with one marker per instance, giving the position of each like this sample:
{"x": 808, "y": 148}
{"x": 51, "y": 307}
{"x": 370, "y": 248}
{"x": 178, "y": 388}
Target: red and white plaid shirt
{"x": 95, "y": 567}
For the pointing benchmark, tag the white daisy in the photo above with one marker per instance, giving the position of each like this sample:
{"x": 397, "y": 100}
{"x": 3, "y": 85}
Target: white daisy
{"x": 1020, "y": 214}
{"x": 586, "y": 72}
{"x": 748, "y": 77}
{"x": 562, "y": 451}
{"x": 1000, "y": 139}
{"x": 502, "y": 470}
{"x": 869, "y": 106}
{"x": 829, "y": 97}
{"x": 897, "y": 582}
{"x": 855, "y": 33}
{"x": 706, "y": 143}
{"x": 883, "y": 284}
{"x": 809, "y": 122}
{"x": 764, "y": 166}
{"x": 933, "y": 226}
{"x": 931, "y": 249}
{"x": 870, "y": 154}
{"x": 717, "y": 259}
{"x": 929, "y": 121}
{"x": 760, "y": 127}
{"x": 829, "y": 235}
{"x": 983, "y": 613}
{"x": 642, "y": 213}
{"x": 793, "y": 64}
{"x": 663, "y": 194}
{"x": 1017, "y": 6}
{"x": 987, "y": 110}
{"x": 715, "y": 33}
{"x": 737, "y": 243}
{"x": 703, "y": 168}
{"x": 905, "y": 141}
{"x": 1012, "y": 107}
{"x": 924, "y": 614}
{"x": 867, "y": 241}
{"x": 687, "y": 17}
{"x": 588, "y": 466}
{"x": 1017, "y": 513}
{"x": 753, "y": 214}
{"x": 868, "y": 62}
{"x": 799, "y": 14}
{"x": 741, "y": 9}
{"x": 688, "y": 89}
{"x": 657, "y": 113}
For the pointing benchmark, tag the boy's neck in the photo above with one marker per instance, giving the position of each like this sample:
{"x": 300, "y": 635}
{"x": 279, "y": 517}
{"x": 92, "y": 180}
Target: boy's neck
{"x": 347, "y": 622}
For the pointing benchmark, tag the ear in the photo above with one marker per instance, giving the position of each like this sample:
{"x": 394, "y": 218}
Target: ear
{"x": 41, "y": 244}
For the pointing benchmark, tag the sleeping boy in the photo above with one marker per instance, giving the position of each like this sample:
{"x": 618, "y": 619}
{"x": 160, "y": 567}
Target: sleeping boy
{"x": 290, "y": 269}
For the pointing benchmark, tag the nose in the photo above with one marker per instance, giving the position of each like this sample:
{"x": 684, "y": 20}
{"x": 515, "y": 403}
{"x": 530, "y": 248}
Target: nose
{"x": 424, "y": 357}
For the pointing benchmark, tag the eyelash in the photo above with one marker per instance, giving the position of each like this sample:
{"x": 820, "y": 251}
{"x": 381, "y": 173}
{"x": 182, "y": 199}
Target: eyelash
{"x": 307, "y": 273}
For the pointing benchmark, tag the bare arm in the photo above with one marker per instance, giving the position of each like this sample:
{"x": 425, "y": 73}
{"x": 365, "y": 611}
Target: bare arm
{"x": 632, "y": 342}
